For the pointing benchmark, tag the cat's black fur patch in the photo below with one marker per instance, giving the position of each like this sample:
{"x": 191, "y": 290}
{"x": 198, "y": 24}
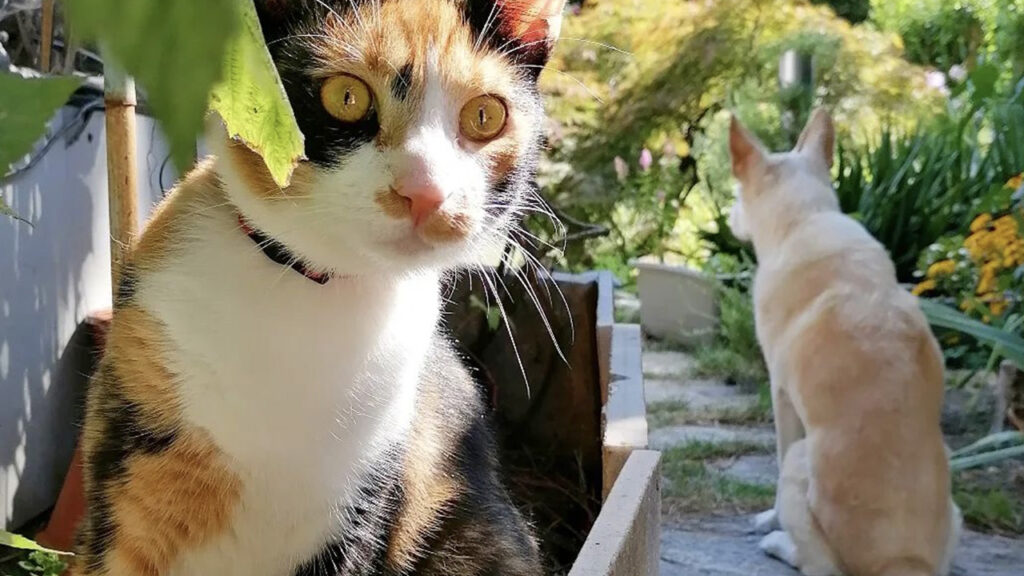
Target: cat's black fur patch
{"x": 485, "y": 19}
{"x": 328, "y": 141}
{"x": 402, "y": 82}
{"x": 122, "y": 435}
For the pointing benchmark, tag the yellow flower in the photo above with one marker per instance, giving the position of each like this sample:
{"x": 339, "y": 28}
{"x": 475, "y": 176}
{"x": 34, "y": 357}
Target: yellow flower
{"x": 987, "y": 282}
{"x": 926, "y": 286}
{"x": 941, "y": 268}
{"x": 1006, "y": 224}
{"x": 980, "y": 222}
{"x": 998, "y": 307}
{"x": 1015, "y": 182}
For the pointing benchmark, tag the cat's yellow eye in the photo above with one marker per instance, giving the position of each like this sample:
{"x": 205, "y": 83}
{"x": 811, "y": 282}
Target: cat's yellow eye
{"x": 483, "y": 118}
{"x": 347, "y": 98}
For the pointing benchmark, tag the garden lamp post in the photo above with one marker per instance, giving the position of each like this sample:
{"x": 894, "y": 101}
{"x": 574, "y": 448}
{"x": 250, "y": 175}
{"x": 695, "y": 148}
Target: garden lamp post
{"x": 796, "y": 90}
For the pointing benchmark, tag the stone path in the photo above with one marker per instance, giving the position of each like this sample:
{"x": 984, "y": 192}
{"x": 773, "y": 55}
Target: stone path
{"x": 723, "y": 544}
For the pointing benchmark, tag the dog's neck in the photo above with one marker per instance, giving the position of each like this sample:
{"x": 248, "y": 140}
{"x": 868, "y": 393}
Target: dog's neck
{"x": 775, "y": 222}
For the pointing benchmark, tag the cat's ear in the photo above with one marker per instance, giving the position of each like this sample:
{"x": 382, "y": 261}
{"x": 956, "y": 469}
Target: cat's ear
{"x": 748, "y": 154}
{"x": 534, "y": 21}
{"x": 818, "y": 139}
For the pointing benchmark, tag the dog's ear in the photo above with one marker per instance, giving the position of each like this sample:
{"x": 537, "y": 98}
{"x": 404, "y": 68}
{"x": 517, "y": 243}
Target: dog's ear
{"x": 819, "y": 137}
{"x": 747, "y": 152}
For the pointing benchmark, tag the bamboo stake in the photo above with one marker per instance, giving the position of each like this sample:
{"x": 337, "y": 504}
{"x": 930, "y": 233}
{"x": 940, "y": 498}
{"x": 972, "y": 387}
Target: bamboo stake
{"x": 46, "y": 37}
{"x": 119, "y": 96}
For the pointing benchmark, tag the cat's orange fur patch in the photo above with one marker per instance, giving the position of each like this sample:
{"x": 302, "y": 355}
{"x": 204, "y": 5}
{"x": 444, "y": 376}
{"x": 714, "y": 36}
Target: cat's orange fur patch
{"x": 167, "y": 221}
{"x": 135, "y": 358}
{"x": 447, "y": 227}
{"x": 170, "y": 502}
{"x": 393, "y": 204}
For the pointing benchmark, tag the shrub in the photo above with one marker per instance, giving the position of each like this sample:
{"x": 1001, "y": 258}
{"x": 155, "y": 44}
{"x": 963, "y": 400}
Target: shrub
{"x": 935, "y": 32}
{"x": 910, "y": 190}
{"x": 853, "y": 10}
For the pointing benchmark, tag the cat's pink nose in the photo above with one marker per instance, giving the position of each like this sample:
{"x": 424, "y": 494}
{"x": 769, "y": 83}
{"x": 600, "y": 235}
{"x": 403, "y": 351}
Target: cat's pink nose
{"x": 426, "y": 198}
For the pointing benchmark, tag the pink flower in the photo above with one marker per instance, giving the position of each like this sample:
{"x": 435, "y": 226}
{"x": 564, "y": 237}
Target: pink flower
{"x": 621, "y": 168}
{"x": 646, "y": 160}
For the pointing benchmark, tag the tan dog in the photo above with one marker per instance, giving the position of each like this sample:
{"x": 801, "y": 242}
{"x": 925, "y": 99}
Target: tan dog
{"x": 857, "y": 377}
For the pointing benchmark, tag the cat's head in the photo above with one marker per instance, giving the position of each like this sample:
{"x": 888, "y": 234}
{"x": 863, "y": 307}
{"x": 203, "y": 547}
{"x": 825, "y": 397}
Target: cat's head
{"x": 776, "y": 189}
{"x": 422, "y": 125}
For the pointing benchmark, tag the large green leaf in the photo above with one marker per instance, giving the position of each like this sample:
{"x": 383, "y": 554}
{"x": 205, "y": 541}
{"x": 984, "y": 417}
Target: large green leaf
{"x": 252, "y": 101}
{"x": 1009, "y": 345}
{"x": 12, "y": 540}
{"x": 26, "y": 104}
{"x": 174, "y": 49}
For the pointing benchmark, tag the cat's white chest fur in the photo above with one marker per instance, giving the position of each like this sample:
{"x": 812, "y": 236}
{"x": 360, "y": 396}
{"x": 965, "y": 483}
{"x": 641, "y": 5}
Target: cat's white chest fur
{"x": 298, "y": 384}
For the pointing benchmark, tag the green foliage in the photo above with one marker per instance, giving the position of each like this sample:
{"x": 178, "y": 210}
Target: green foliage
{"x": 20, "y": 556}
{"x": 1008, "y": 344}
{"x": 911, "y": 189}
{"x": 908, "y": 191}
{"x": 989, "y": 450}
{"x": 34, "y": 563}
{"x": 694, "y": 487}
{"x": 989, "y": 509}
{"x": 174, "y": 49}
{"x": 674, "y": 71}
{"x": 853, "y": 10}
{"x": 735, "y": 354}
{"x": 252, "y": 101}
{"x": 935, "y": 32}
{"x": 26, "y": 104}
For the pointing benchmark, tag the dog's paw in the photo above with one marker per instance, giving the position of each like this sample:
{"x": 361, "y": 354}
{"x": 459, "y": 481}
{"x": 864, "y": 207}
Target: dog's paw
{"x": 767, "y": 521}
{"x": 779, "y": 545}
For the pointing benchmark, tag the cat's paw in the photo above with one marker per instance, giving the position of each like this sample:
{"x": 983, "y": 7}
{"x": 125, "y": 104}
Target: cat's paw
{"x": 767, "y": 521}
{"x": 779, "y": 545}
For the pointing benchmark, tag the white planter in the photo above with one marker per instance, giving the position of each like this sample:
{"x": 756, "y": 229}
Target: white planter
{"x": 676, "y": 303}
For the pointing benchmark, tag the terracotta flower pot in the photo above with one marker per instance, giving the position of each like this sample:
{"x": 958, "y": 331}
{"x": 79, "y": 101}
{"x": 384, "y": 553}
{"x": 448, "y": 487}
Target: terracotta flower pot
{"x": 69, "y": 510}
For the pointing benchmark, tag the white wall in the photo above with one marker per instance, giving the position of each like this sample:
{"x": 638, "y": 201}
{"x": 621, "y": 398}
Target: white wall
{"x": 52, "y": 274}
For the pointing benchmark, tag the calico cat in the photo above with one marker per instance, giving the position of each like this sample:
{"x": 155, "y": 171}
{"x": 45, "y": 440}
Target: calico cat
{"x": 276, "y": 397}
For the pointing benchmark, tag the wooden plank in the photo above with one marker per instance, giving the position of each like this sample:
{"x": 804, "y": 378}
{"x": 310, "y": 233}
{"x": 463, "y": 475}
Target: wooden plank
{"x": 624, "y": 417}
{"x": 605, "y": 324}
{"x": 625, "y": 539}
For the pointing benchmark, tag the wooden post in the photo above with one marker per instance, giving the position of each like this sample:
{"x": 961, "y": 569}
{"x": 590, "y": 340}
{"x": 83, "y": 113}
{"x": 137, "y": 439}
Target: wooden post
{"x": 46, "y": 37}
{"x": 122, "y": 178}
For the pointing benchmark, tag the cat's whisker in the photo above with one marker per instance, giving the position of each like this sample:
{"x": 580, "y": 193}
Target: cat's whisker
{"x": 524, "y": 280}
{"x": 508, "y": 328}
{"x": 487, "y": 25}
{"x": 532, "y": 260}
{"x": 359, "y": 17}
{"x": 301, "y": 36}
{"x": 566, "y": 74}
